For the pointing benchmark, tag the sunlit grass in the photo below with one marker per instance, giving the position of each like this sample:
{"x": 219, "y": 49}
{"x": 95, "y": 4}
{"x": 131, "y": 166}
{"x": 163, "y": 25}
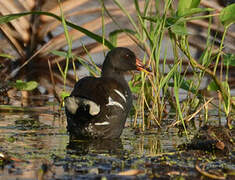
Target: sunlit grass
{"x": 159, "y": 91}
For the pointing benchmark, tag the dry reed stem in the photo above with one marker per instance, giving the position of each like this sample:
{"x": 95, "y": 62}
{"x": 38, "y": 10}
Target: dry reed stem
{"x": 53, "y": 82}
{"x": 204, "y": 173}
{"x": 188, "y": 118}
{"x": 211, "y": 4}
{"x": 27, "y": 4}
{"x": 66, "y": 5}
{"x": 8, "y": 33}
{"x": 21, "y": 24}
{"x": 131, "y": 172}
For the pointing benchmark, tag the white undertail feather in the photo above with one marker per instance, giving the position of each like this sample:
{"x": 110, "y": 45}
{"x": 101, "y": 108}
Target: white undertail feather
{"x": 72, "y": 103}
{"x": 94, "y": 108}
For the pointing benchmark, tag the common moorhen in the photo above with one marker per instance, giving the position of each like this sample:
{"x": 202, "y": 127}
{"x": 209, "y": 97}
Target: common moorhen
{"x": 98, "y": 107}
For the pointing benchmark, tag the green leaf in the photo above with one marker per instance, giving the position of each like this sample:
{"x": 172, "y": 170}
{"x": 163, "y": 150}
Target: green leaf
{"x": 195, "y": 3}
{"x": 64, "y": 94}
{"x": 190, "y": 7}
{"x": 25, "y": 86}
{"x": 169, "y": 75}
{"x": 10, "y": 17}
{"x": 66, "y": 32}
{"x": 229, "y": 59}
{"x": 59, "y": 53}
{"x": 226, "y": 102}
{"x": 135, "y": 84}
{"x": 150, "y": 18}
{"x": 192, "y": 11}
{"x": 186, "y": 85}
{"x": 183, "y": 5}
{"x": 171, "y": 21}
{"x": 177, "y": 100}
{"x": 205, "y": 59}
{"x": 6, "y": 56}
{"x": 227, "y": 15}
{"x": 134, "y": 88}
{"x": 179, "y": 29}
{"x": 113, "y": 38}
{"x": 212, "y": 86}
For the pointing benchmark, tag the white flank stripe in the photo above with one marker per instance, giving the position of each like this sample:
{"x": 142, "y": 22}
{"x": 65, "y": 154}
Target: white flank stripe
{"x": 114, "y": 103}
{"x": 102, "y": 123}
{"x": 120, "y": 94}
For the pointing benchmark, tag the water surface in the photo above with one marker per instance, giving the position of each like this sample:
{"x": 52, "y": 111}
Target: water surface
{"x": 40, "y": 148}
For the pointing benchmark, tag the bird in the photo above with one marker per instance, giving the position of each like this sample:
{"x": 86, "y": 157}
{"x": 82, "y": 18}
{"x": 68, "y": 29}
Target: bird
{"x": 98, "y": 106}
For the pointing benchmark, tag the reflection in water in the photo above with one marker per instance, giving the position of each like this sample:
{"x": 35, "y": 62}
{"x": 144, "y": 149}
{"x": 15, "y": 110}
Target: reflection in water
{"x": 99, "y": 146}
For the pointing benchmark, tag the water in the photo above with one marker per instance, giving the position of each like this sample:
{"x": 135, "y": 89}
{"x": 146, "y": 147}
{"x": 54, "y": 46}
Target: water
{"x": 40, "y": 148}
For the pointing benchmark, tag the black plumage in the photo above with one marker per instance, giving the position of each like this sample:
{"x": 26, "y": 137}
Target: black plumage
{"x": 98, "y": 107}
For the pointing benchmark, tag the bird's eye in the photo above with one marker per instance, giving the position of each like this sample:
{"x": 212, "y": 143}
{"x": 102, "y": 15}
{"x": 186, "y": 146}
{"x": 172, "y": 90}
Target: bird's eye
{"x": 127, "y": 55}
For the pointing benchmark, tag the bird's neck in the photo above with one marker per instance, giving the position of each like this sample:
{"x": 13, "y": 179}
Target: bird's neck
{"x": 119, "y": 77}
{"x": 109, "y": 71}
{"x": 116, "y": 75}
{"x": 112, "y": 73}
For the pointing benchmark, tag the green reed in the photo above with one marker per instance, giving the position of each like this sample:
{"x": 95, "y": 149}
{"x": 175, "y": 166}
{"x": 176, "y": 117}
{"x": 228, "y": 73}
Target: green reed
{"x": 159, "y": 91}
